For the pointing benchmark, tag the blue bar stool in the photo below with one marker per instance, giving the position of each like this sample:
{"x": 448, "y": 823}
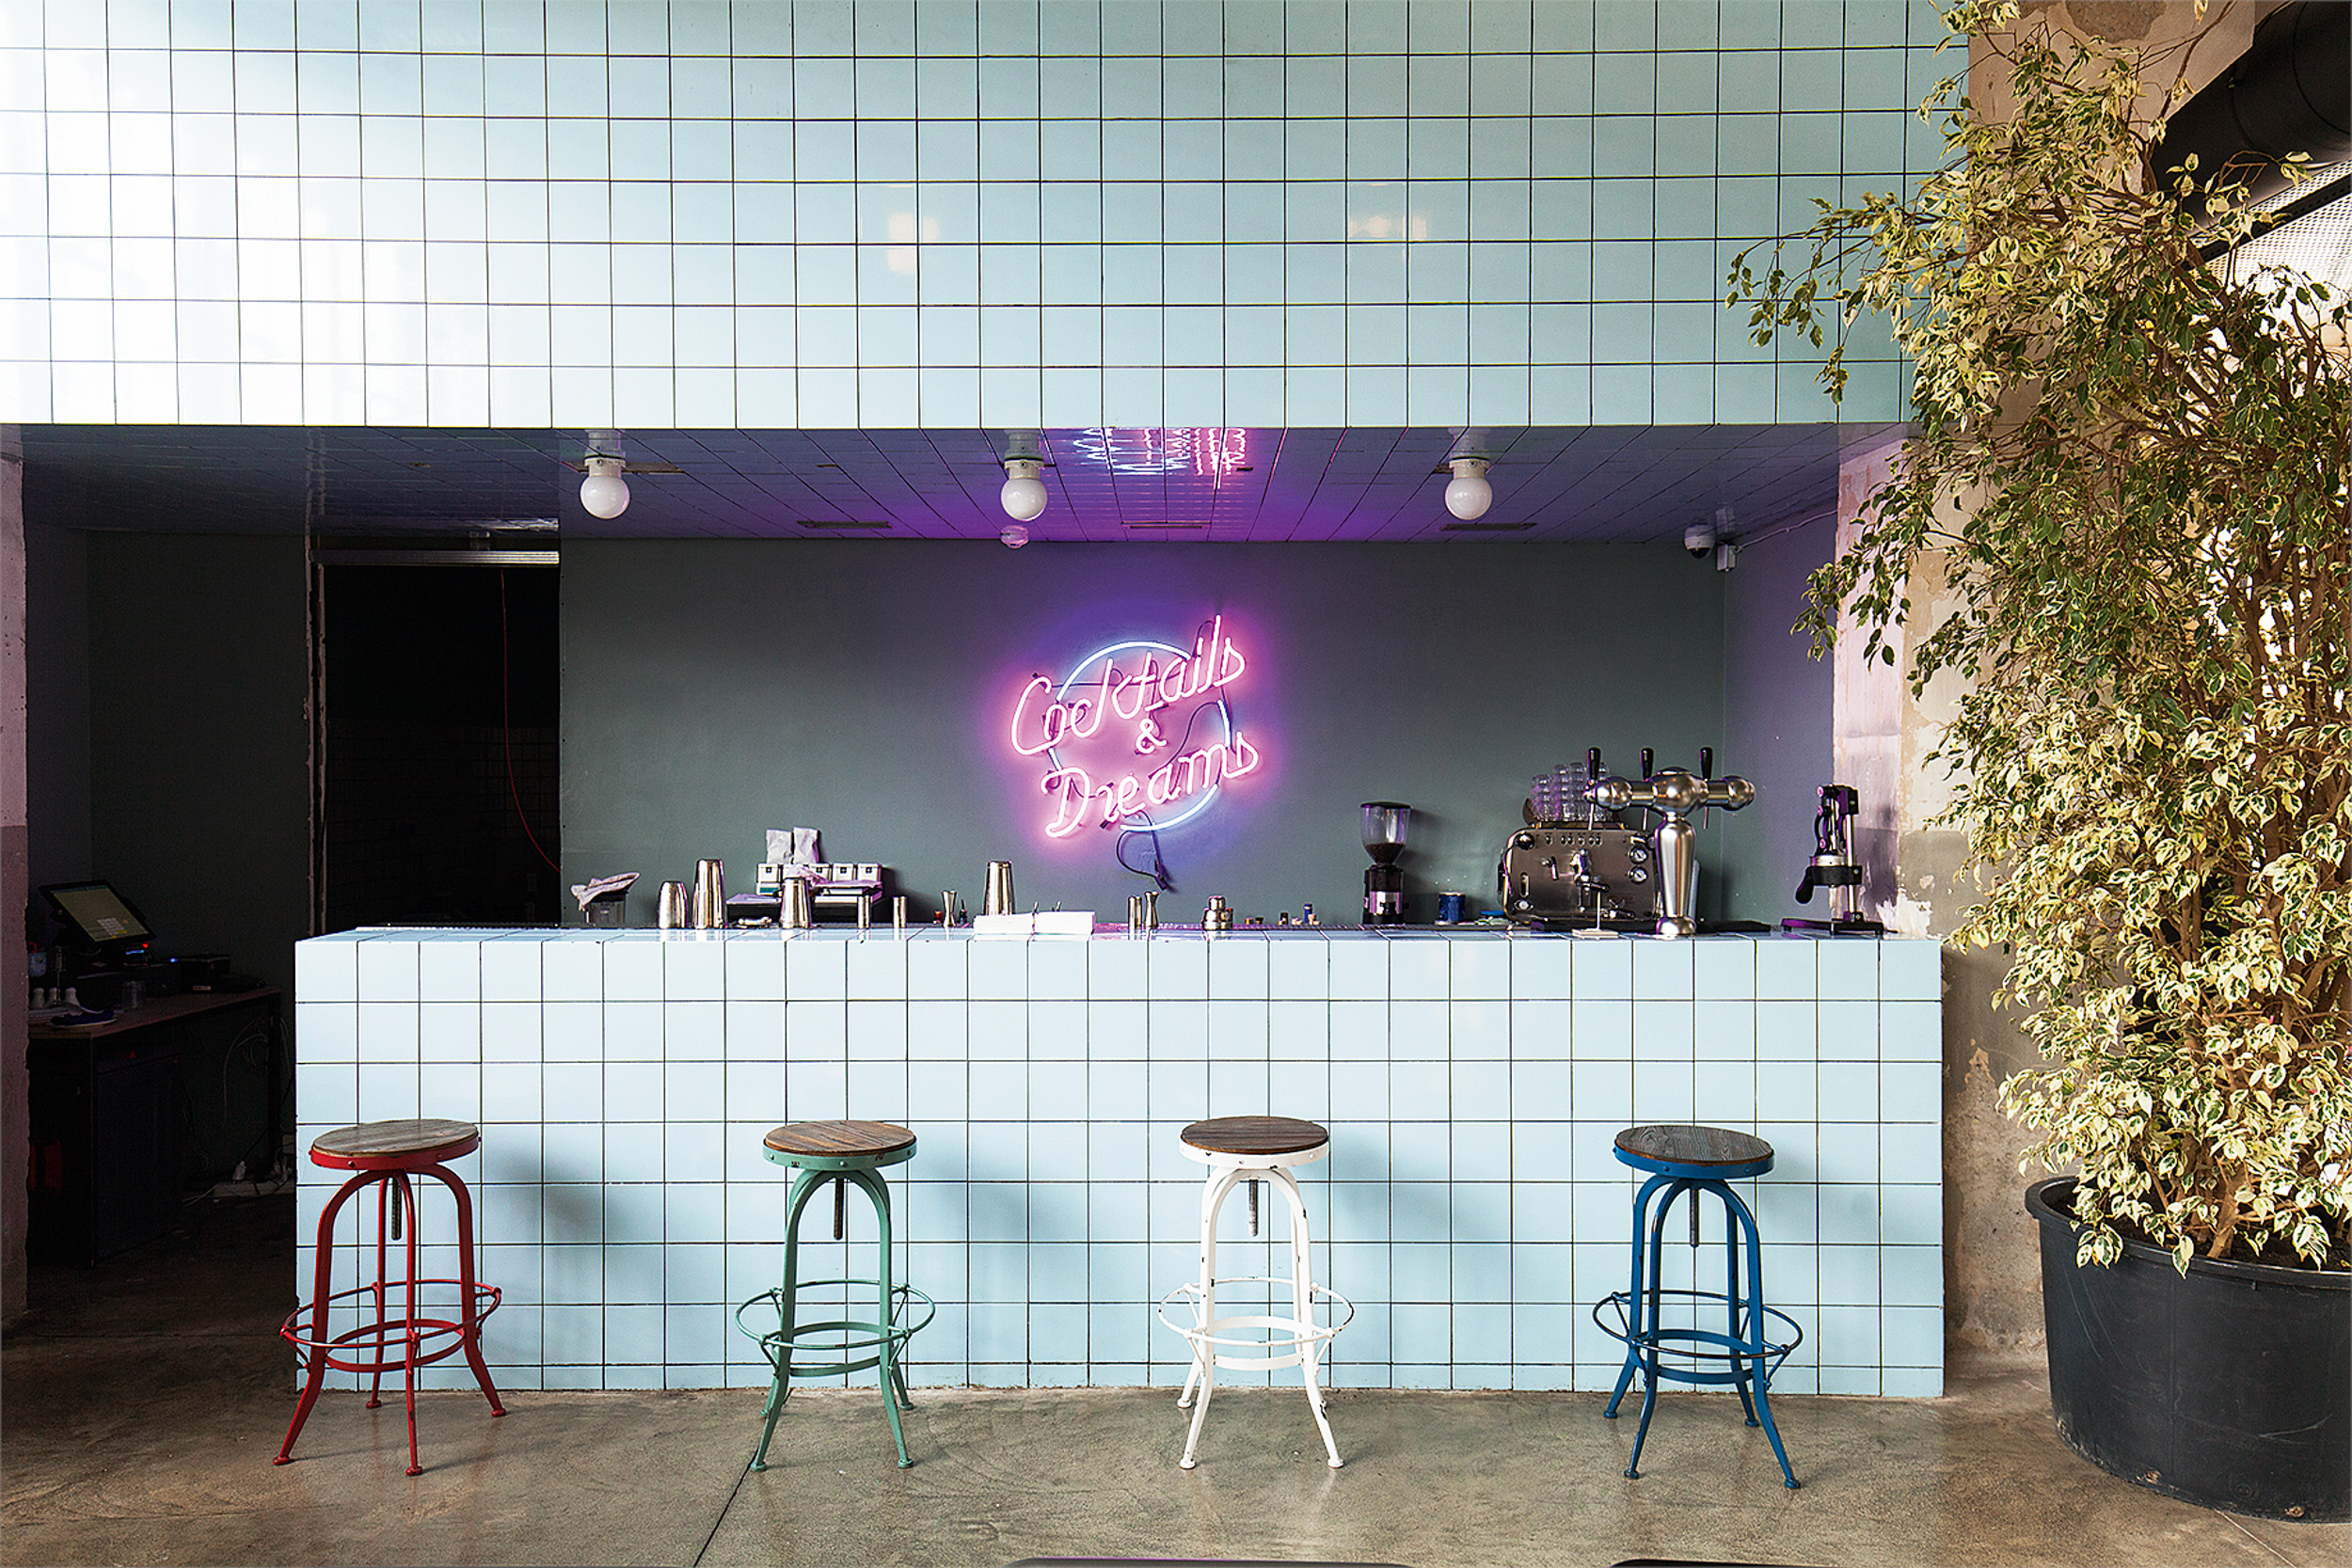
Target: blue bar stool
{"x": 844, "y": 1153}
{"x": 1694, "y": 1160}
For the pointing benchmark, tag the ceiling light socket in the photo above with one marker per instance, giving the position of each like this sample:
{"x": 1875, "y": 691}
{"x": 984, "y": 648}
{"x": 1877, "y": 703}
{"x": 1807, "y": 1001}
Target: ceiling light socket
{"x": 604, "y": 492}
{"x": 1024, "y": 494}
{"x": 1467, "y": 494}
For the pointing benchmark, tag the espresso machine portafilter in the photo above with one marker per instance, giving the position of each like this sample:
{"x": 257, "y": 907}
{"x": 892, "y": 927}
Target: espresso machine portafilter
{"x": 1673, "y": 794}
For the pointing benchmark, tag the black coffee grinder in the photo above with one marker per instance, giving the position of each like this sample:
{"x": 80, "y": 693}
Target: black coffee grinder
{"x": 1833, "y": 867}
{"x": 1385, "y": 822}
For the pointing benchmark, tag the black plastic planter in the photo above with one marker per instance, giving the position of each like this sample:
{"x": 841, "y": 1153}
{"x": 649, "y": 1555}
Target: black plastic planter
{"x": 2230, "y": 1387}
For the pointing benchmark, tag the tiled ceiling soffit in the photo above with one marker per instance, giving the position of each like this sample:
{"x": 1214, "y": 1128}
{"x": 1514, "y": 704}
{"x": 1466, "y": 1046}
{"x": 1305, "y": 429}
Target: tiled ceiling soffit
{"x": 1617, "y": 484}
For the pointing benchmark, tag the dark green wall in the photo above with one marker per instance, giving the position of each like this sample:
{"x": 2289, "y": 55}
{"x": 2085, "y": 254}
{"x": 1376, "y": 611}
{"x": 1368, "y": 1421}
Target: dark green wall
{"x": 199, "y": 747}
{"x": 715, "y": 690}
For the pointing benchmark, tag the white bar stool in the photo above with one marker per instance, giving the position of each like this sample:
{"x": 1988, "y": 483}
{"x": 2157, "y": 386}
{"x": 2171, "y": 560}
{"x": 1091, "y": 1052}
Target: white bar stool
{"x": 1254, "y": 1150}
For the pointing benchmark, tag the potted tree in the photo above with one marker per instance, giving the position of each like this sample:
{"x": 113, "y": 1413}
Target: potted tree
{"x": 2132, "y": 463}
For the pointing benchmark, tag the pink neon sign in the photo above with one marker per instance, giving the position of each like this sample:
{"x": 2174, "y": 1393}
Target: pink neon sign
{"x": 1147, "y": 763}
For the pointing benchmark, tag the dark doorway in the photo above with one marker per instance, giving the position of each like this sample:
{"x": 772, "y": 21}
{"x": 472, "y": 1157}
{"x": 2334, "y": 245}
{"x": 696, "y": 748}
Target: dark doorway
{"x": 438, "y": 703}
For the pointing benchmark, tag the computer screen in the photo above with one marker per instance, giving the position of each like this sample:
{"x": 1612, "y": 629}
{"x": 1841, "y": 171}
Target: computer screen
{"x": 98, "y": 911}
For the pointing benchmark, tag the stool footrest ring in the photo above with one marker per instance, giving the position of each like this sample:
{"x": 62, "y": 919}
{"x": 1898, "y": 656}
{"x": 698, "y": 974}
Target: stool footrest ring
{"x": 387, "y": 1339}
{"x": 1287, "y": 1340}
{"x": 780, "y": 1343}
{"x": 1698, "y": 1346}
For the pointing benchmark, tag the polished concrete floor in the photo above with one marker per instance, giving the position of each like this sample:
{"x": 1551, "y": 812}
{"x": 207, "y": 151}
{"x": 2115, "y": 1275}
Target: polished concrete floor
{"x": 141, "y": 1400}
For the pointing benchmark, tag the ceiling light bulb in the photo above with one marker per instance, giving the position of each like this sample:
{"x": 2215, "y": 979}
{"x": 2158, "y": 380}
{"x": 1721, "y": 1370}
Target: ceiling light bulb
{"x": 604, "y": 492}
{"x": 1024, "y": 494}
{"x": 1467, "y": 494}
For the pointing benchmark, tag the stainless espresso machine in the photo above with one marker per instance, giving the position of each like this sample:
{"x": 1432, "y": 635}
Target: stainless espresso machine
{"x": 1577, "y": 865}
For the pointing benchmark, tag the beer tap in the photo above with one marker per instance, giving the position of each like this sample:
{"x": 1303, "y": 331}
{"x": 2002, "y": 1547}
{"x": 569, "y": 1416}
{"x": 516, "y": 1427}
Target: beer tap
{"x": 1673, "y": 794}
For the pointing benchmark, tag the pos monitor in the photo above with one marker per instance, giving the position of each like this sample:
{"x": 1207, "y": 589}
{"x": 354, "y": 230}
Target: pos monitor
{"x": 99, "y": 919}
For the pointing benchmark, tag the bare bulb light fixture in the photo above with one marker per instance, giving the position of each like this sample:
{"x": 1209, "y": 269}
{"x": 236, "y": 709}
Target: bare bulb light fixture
{"x": 1024, "y": 494}
{"x": 604, "y": 492}
{"x": 1467, "y": 494}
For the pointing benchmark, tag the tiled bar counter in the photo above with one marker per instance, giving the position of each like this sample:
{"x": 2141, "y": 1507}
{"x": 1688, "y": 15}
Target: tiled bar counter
{"x": 1473, "y": 1083}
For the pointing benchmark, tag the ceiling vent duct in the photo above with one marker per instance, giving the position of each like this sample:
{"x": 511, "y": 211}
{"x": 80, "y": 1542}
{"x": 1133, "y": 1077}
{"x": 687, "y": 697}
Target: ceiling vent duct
{"x": 2287, "y": 93}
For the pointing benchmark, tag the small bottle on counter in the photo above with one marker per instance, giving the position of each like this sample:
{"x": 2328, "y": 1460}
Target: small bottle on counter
{"x": 1307, "y": 915}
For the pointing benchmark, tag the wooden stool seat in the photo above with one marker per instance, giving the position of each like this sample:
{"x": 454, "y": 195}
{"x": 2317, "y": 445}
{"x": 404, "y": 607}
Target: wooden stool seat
{"x": 1256, "y": 1135}
{"x": 841, "y": 1141}
{"x": 394, "y": 1145}
{"x": 1711, "y": 1150}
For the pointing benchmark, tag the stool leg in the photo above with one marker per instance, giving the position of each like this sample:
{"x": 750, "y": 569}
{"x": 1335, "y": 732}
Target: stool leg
{"x": 1756, "y": 1334}
{"x": 406, "y": 1199}
{"x": 315, "y": 1355}
{"x": 1302, "y": 1307}
{"x": 1201, "y": 1382}
{"x": 471, "y": 1326}
{"x": 1649, "y": 1342}
{"x": 1732, "y": 1302}
{"x": 893, "y": 1384}
{"x": 1635, "y": 1300}
{"x": 804, "y": 1185}
{"x": 375, "y": 1378}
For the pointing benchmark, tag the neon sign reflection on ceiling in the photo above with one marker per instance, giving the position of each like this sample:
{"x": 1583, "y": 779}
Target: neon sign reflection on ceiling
{"x": 1116, "y": 751}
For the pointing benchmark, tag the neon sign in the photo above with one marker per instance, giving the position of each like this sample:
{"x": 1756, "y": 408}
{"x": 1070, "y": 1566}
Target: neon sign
{"x": 1118, "y": 709}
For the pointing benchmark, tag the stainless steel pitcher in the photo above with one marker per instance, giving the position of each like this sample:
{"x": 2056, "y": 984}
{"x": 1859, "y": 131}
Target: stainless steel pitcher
{"x": 998, "y": 898}
{"x": 710, "y": 894}
{"x": 794, "y": 912}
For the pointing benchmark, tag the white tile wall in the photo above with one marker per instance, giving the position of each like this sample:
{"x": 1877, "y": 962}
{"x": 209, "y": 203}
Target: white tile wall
{"x": 1472, "y": 1206}
{"x": 766, "y": 214}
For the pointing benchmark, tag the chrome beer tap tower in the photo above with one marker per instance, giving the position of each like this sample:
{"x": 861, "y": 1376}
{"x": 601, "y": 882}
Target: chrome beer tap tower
{"x": 1673, "y": 794}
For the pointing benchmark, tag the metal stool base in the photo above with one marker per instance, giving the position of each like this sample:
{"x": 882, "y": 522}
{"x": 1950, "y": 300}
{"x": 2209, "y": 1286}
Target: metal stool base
{"x": 1295, "y": 1341}
{"x": 1747, "y": 1358}
{"x": 389, "y": 1342}
{"x": 886, "y": 1337}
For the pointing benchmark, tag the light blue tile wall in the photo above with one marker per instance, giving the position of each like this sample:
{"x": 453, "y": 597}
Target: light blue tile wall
{"x": 1068, "y": 214}
{"x": 1471, "y": 1208}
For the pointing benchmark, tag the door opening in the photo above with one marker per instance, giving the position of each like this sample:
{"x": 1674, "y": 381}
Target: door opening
{"x": 435, "y": 761}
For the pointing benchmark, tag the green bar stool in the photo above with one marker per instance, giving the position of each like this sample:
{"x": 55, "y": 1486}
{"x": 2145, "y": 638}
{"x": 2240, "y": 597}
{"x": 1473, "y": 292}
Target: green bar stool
{"x": 842, "y": 1153}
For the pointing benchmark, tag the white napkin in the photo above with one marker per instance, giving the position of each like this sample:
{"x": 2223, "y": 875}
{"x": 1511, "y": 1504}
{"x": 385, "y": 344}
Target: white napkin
{"x": 589, "y": 892}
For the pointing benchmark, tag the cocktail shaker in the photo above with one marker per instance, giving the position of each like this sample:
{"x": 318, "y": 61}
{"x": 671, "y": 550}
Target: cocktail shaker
{"x": 998, "y": 898}
{"x": 710, "y": 894}
{"x": 673, "y": 907}
{"x": 1134, "y": 913}
{"x": 794, "y": 912}
{"x": 898, "y": 913}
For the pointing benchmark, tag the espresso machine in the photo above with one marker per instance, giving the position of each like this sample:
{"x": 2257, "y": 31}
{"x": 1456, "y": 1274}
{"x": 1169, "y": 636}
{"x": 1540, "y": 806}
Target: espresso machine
{"x": 1577, "y": 864}
{"x": 1385, "y": 822}
{"x": 1833, "y": 867}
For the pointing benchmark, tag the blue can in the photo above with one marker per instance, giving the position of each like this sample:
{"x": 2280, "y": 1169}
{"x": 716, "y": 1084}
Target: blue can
{"x": 1452, "y": 908}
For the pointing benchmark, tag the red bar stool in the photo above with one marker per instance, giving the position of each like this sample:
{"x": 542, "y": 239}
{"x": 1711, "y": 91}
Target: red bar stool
{"x": 384, "y": 1155}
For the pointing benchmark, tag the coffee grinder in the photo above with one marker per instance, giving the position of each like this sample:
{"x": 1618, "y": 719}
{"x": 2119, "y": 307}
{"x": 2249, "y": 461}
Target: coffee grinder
{"x": 1833, "y": 867}
{"x": 1385, "y": 822}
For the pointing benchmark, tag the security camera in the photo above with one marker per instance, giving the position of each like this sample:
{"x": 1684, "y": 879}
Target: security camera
{"x": 1699, "y": 539}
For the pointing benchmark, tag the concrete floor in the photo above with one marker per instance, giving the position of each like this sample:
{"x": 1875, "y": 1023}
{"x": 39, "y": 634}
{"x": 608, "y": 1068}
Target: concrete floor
{"x": 144, "y": 1397}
